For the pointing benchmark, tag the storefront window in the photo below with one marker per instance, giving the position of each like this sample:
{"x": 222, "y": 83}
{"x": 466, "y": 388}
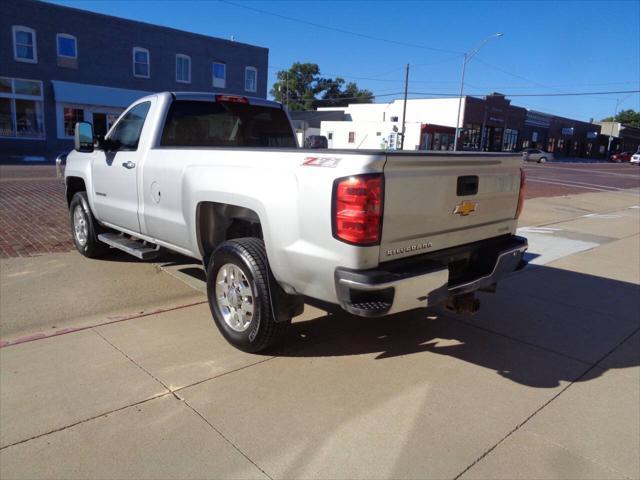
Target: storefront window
{"x": 443, "y": 141}
{"x": 71, "y": 116}
{"x": 27, "y": 87}
{"x": 6, "y": 118}
{"x": 471, "y": 137}
{"x": 5, "y": 85}
{"x": 551, "y": 146}
{"x": 21, "y": 108}
{"x": 28, "y": 118}
{"x": 509, "y": 140}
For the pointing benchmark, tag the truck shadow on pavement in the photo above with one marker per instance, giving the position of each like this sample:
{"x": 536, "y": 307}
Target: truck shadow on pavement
{"x": 542, "y": 327}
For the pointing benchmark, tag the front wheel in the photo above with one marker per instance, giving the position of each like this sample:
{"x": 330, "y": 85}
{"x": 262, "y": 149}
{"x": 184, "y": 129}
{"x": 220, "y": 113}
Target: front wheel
{"x": 239, "y": 287}
{"x": 85, "y": 228}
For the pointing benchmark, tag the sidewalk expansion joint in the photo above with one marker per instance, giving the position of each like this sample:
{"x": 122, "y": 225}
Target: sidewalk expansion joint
{"x": 570, "y": 219}
{"x": 80, "y": 422}
{"x": 226, "y": 439}
{"x": 184, "y": 401}
{"x": 517, "y": 340}
{"x": 545, "y": 404}
{"x": 133, "y": 361}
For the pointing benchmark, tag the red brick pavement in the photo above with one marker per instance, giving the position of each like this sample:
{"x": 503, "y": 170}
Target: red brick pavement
{"x": 33, "y": 213}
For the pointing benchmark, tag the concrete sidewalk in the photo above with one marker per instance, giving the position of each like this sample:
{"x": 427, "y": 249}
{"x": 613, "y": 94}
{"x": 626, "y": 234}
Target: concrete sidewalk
{"x": 543, "y": 383}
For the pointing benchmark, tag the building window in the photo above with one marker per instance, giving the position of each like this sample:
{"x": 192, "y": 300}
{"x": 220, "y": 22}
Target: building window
{"x": 67, "y": 45}
{"x": 24, "y": 44}
{"x": 183, "y": 68}
{"x": 21, "y": 108}
{"x": 219, "y": 73}
{"x": 509, "y": 140}
{"x": 471, "y": 136}
{"x": 251, "y": 79}
{"x": 71, "y": 116}
{"x": 551, "y": 146}
{"x": 352, "y": 137}
{"x": 141, "y": 62}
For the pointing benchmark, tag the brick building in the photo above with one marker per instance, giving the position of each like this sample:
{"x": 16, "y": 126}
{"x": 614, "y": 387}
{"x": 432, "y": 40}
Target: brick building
{"x": 59, "y": 65}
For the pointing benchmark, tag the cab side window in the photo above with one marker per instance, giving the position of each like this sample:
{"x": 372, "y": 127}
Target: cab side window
{"x": 126, "y": 132}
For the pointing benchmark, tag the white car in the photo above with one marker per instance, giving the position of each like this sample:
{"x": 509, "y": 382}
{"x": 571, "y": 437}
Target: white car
{"x": 635, "y": 158}
{"x": 220, "y": 178}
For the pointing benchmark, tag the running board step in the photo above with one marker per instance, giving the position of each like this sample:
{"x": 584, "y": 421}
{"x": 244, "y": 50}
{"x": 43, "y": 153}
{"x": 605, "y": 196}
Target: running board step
{"x": 137, "y": 248}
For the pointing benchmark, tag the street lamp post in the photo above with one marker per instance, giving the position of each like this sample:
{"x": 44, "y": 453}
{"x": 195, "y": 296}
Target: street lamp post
{"x": 468, "y": 56}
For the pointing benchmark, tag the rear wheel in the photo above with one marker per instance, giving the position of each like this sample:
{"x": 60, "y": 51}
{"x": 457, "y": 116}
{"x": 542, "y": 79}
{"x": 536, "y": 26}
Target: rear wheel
{"x": 542, "y": 160}
{"x": 239, "y": 287}
{"x": 85, "y": 228}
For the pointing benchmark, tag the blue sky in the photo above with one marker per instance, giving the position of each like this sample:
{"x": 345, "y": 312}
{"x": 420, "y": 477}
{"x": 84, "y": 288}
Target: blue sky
{"x": 547, "y": 47}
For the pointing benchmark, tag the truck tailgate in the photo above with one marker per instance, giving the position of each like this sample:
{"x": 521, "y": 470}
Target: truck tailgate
{"x": 430, "y": 202}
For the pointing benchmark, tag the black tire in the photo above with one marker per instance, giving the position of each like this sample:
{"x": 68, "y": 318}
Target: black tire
{"x": 250, "y": 256}
{"x": 542, "y": 160}
{"x": 92, "y": 247}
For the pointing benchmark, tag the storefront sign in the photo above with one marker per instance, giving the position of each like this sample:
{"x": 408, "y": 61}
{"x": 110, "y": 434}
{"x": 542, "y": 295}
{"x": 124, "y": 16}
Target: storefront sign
{"x": 592, "y": 134}
{"x": 567, "y": 131}
{"x": 534, "y": 137}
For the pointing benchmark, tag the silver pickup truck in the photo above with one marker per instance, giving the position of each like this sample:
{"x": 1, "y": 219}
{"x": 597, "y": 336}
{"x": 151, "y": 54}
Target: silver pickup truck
{"x": 220, "y": 178}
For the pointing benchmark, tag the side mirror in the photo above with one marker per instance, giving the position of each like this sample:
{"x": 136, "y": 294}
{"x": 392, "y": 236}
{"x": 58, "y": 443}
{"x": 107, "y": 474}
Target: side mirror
{"x": 83, "y": 137}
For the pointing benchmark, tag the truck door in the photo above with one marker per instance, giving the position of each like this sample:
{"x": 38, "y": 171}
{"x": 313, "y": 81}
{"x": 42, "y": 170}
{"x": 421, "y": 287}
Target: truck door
{"x": 115, "y": 172}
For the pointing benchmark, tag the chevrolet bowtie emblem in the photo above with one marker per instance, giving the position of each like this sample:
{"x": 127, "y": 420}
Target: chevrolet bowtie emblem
{"x": 464, "y": 208}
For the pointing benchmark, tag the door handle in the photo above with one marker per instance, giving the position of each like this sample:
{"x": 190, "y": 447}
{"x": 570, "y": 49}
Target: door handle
{"x": 129, "y": 165}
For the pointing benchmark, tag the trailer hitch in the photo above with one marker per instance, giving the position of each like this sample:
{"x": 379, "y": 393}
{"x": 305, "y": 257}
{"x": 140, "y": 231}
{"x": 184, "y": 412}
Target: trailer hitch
{"x": 463, "y": 303}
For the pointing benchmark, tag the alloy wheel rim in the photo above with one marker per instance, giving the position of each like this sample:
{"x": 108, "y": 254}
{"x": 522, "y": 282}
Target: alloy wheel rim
{"x": 234, "y": 297}
{"x": 80, "y": 227}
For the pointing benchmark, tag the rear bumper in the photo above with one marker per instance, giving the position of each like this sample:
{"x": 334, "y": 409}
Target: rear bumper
{"x": 429, "y": 279}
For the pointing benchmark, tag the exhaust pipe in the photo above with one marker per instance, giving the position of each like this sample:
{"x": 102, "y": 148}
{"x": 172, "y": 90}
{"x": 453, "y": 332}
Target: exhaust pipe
{"x": 464, "y": 303}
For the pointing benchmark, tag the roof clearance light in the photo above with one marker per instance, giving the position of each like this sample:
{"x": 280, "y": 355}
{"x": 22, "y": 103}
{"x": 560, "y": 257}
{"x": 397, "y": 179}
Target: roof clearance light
{"x": 231, "y": 99}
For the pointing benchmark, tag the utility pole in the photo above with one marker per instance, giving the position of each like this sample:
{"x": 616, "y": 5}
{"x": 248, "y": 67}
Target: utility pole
{"x": 404, "y": 108}
{"x": 615, "y": 112}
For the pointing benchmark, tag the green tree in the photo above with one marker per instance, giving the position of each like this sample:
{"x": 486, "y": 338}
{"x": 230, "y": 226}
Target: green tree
{"x": 628, "y": 117}
{"x": 303, "y": 88}
{"x": 338, "y": 93}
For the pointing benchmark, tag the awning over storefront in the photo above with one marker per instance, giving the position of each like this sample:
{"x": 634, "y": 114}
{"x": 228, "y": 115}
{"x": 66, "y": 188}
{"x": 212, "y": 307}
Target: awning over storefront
{"x": 84, "y": 94}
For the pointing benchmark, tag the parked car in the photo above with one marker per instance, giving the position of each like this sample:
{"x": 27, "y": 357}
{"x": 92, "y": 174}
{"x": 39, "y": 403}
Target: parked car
{"x": 621, "y": 157}
{"x": 220, "y": 178}
{"x": 316, "y": 141}
{"x": 635, "y": 158}
{"x": 536, "y": 155}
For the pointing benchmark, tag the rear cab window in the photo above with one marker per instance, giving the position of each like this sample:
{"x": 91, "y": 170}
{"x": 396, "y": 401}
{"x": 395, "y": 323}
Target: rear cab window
{"x": 193, "y": 123}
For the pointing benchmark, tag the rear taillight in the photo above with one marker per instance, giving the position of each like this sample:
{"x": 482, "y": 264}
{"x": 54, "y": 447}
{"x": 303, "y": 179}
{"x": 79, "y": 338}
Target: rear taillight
{"x": 357, "y": 209}
{"x": 523, "y": 176}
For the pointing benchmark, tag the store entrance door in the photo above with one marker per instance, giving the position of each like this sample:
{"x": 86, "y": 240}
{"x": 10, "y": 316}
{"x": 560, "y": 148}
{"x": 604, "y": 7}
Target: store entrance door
{"x": 494, "y": 139}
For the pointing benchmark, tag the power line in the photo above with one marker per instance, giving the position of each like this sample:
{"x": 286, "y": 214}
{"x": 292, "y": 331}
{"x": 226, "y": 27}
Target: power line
{"x": 453, "y": 95}
{"x": 340, "y": 30}
{"x": 513, "y": 74}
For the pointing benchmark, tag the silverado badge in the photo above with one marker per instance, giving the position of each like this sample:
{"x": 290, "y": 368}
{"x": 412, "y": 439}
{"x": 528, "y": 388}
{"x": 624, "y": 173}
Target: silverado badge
{"x": 465, "y": 208}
